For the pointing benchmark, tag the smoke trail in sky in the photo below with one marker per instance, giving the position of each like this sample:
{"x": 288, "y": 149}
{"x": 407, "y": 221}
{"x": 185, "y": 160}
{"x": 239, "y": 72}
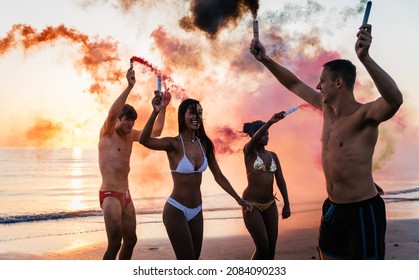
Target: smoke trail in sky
{"x": 177, "y": 91}
{"x": 99, "y": 57}
{"x": 220, "y": 73}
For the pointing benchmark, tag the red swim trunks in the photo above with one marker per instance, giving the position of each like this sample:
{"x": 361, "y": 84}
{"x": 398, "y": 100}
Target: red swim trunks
{"x": 123, "y": 197}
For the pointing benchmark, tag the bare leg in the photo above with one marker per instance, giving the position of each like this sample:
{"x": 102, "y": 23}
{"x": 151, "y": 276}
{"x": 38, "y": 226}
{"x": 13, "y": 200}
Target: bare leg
{"x": 113, "y": 224}
{"x": 196, "y": 226}
{"x": 270, "y": 217}
{"x": 129, "y": 236}
{"x": 256, "y": 226}
{"x": 180, "y": 235}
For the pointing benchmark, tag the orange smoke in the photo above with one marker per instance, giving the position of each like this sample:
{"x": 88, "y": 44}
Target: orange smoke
{"x": 178, "y": 54}
{"x": 43, "y": 132}
{"x": 99, "y": 57}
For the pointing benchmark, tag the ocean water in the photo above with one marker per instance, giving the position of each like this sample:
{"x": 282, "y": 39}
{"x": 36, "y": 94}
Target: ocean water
{"x": 54, "y": 192}
{"x": 40, "y": 184}
{"x": 50, "y": 184}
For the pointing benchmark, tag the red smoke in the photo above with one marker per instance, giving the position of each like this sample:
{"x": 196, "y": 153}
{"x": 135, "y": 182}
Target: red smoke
{"x": 177, "y": 91}
{"x": 150, "y": 67}
{"x": 226, "y": 139}
{"x": 308, "y": 106}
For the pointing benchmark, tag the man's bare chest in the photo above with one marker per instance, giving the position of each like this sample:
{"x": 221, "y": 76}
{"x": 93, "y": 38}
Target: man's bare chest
{"x": 337, "y": 132}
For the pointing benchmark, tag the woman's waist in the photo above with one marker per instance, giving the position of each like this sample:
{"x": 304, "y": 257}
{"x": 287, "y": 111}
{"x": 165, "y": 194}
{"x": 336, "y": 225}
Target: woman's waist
{"x": 188, "y": 194}
{"x": 258, "y": 195}
{"x": 189, "y": 200}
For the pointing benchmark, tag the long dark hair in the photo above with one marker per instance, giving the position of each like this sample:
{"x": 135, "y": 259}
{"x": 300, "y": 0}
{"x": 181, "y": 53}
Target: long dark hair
{"x": 200, "y": 133}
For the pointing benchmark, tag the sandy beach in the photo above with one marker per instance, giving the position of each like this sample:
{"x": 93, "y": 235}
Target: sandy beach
{"x": 226, "y": 239}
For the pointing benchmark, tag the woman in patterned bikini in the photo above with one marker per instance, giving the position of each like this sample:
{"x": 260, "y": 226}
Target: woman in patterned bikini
{"x": 261, "y": 167}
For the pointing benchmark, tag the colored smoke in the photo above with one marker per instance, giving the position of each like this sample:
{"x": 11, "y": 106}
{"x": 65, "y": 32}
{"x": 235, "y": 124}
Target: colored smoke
{"x": 98, "y": 56}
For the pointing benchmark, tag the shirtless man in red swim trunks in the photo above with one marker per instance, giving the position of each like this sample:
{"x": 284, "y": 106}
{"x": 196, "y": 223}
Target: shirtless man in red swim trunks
{"x": 115, "y": 146}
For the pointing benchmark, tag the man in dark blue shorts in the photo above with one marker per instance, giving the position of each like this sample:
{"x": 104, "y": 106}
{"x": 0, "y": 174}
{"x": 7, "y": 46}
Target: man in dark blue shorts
{"x": 353, "y": 230}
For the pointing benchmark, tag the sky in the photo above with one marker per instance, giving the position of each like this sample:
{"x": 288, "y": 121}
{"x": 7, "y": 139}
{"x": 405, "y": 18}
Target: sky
{"x": 63, "y": 63}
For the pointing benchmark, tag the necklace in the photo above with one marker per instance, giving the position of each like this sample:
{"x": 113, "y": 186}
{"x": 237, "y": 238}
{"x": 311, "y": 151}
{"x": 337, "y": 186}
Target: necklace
{"x": 192, "y": 140}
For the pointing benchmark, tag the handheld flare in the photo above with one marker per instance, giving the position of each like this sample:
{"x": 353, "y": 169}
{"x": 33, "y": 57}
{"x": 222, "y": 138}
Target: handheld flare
{"x": 290, "y": 110}
{"x": 131, "y": 63}
{"x": 256, "y": 30}
{"x": 367, "y": 12}
{"x": 159, "y": 83}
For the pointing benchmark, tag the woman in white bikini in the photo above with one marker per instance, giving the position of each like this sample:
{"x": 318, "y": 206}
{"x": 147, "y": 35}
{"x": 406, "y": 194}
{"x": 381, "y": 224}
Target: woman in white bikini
{"x": 261, "y": 167}
{"x": 189, "y": 154}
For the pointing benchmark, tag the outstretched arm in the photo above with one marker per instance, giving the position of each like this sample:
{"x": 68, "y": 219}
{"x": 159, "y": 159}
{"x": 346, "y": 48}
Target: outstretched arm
{"x": 253, "y": 142}
{"x": 225, "y": 184}
{"x": 391, "y": 98}
{"x": 285, "y": 76}
{"x": 109, "y": 125}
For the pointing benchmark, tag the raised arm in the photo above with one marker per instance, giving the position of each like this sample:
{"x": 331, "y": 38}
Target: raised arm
{"x": 147, "y": 138}
{"x": 391, "y": 98}
{"x": 158, "y": 124}
{"x": 285, "y": 76}
{"x": 108, "y": 127}
{"x": 253, "y": 142}
{"x": 225, "y": 184}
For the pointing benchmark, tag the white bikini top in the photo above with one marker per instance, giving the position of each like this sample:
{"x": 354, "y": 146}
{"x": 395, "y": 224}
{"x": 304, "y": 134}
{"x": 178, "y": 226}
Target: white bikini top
{"x": 185, "y": 166}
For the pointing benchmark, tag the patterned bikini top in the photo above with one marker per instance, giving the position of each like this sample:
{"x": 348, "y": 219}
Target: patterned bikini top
{"x": 259, "y": 165}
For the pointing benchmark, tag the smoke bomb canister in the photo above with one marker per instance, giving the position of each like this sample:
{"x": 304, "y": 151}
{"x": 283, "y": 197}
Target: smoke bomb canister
{"x": 159, "y": 83}
{"x": 256, "y": 30}
{"x": 292, "y": 109}
{"x": 367, "y": 12}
